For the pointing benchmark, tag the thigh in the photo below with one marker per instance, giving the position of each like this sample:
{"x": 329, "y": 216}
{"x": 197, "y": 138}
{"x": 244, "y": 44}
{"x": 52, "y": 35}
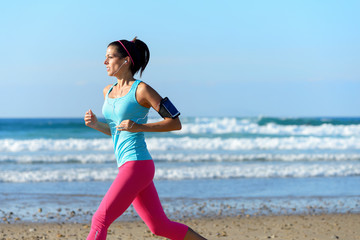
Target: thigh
{"x": 132, "y": 178}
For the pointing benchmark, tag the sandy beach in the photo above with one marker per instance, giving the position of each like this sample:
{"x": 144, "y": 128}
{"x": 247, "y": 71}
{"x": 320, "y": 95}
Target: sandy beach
{"x": 315, "y": 227}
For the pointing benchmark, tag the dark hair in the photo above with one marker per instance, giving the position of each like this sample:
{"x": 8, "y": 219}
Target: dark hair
{"x": 138, "y": 50}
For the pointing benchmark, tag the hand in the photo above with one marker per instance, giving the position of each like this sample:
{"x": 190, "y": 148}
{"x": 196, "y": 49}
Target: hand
{"x": 128, "y": 125}
{"x": 90, "y": 119}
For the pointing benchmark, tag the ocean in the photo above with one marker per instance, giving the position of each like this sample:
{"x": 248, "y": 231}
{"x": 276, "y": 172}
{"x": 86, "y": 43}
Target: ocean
{"x": 57, "y": 170}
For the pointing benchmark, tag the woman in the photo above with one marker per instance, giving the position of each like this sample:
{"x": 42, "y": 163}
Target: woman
{"x": 125, "y": 109}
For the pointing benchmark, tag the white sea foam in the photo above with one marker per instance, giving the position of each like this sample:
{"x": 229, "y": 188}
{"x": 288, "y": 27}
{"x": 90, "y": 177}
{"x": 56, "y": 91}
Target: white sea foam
{"x": 185, "y": 143}
{"x": 259, "y": 171}
{"x": 71, "y": 144}
{"x": 212, "y": 171}
{"x": 58, "y": 158}
{"x": 233, "y": 144}
{"x": 179, "y": 157}
{"x": 267, "y": 157}
{"x": 61, "y": 175}
{"x": 245, "y": 126}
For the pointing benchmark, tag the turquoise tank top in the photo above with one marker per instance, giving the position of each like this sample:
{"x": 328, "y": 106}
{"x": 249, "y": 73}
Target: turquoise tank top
{"x": 128, "y": 146}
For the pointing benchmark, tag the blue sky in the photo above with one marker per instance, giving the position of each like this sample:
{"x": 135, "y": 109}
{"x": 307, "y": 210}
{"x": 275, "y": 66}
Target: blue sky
{"x": 211, "y": 58}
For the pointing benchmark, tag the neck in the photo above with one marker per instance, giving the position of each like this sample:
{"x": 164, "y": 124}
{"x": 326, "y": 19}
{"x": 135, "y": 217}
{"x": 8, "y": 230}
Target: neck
{"x": 124, "y": 78}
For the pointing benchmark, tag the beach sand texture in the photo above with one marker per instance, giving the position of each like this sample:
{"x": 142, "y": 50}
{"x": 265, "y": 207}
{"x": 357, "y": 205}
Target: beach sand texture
{"x": 315, "y": 227}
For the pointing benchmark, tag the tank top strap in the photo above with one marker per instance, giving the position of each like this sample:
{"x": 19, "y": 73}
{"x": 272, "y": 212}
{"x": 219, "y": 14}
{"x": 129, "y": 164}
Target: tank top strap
{"x": 133, "y": 89}
{"x": 107, "y": 94}
{"x": 135, "y": 85}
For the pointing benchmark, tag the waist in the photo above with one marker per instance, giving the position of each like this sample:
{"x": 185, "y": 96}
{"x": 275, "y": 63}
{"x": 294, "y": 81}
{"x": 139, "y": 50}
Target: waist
{"x": 130, "y": 147}
{"x": 126, "y": 136}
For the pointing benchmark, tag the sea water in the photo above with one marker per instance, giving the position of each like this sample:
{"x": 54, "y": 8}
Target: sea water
{"x": 59, "y": 169}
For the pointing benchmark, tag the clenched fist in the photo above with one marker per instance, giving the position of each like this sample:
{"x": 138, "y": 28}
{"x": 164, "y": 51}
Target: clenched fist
{"x": 90, "y": 119}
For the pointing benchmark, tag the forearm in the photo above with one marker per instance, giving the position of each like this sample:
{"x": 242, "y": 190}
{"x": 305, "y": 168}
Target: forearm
{"x": 165, "y": 125}
{"x": 102, "y": 127}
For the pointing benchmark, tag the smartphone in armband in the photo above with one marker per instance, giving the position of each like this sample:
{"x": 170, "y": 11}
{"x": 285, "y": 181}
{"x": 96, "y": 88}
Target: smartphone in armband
{"x": 167, "y": 109}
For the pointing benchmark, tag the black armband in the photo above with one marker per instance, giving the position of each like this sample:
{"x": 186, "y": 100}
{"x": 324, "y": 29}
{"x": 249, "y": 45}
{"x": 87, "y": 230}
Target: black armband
{"x": 167, "y": 109}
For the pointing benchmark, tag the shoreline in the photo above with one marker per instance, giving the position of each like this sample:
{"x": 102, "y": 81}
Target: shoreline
{"x": 323, "y": 226}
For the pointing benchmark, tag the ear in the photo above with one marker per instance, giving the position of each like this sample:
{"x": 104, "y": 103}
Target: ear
{"x": 127, "y": 59}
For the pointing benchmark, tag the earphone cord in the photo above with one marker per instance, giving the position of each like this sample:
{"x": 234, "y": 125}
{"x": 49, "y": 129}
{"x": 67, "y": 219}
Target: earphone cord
{"x": 119, "y": 68}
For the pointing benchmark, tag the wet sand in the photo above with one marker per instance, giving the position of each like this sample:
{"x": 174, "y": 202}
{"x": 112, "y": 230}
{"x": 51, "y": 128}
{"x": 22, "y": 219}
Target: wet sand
{"x": 314, "y": 227}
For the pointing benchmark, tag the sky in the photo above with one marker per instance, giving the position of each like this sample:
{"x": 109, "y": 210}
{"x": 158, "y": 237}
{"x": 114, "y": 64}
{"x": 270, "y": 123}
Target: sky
{"x": 211, "y": 58}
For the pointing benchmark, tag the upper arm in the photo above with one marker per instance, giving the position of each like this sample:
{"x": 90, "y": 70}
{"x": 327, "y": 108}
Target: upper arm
{"x": 148, "y": 97}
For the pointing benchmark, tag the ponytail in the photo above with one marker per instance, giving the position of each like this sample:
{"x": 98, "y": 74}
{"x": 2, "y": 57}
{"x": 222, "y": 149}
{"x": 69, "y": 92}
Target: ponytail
{"x": 138, "y": 52}
{"x": 143, "y": 54}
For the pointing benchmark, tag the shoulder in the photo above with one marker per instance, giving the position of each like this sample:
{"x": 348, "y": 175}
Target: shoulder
{"x": 144, "y": 88}
{"x": 106, "y": 89}
{"x": 146, "y": 95}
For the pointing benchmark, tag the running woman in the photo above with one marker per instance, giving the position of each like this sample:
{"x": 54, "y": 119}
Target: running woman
{"x": 126, "y": 106}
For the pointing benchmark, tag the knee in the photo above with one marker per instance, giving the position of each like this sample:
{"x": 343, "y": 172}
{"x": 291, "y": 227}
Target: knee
{"x": 158, "y": 229}
{"x": 98, "y": 220}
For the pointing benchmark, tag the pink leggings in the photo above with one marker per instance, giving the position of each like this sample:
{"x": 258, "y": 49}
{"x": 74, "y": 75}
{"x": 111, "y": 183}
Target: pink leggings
{"x": 134, "y": 184}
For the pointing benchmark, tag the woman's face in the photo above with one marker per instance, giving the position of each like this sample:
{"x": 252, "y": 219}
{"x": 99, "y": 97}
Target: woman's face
{"x": 113, "y": 61}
